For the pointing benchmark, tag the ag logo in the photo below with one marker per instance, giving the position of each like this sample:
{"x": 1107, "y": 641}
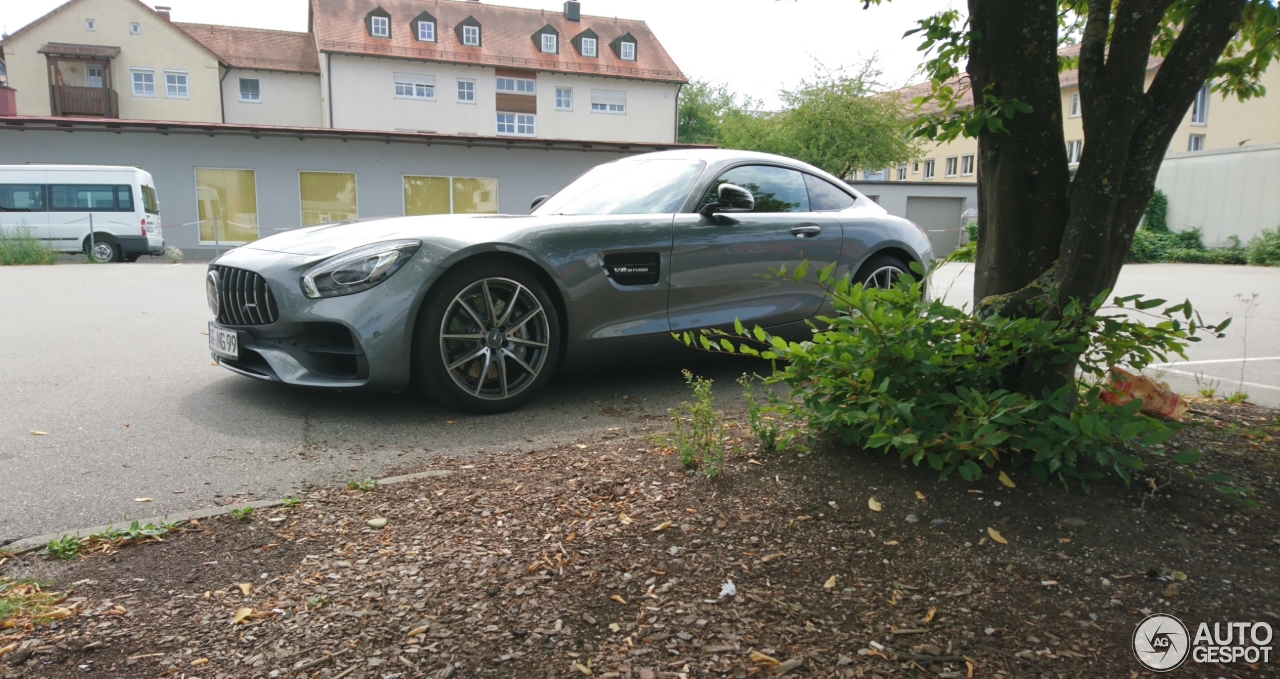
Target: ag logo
{"x": 1161, "y": 642}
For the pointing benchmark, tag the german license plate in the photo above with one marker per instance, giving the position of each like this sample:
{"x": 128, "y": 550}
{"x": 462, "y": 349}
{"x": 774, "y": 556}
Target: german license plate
{"x": 223, "y": 342}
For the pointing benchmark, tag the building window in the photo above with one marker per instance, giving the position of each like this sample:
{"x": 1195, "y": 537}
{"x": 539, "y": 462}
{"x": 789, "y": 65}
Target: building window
{"x": 549, "y": 43}
{"x": 519, "y": 124}
{"x": 517, "y": 86}
{"x": 1074, "y": 147}
{"x": 426, "y": 31}
{"x": 928, "y": 169}
{"x": 627, "y": 51}
{"x": 144, "y": 82}
{"x": 467, "y": 91}
{"x": 175, "y": 85}
{"x": 966, "y": 165}
{"x": 90, "y": 25}
{"x": 1195, "y": 142}
{"x": 327, "y": 196}
{"x": 135, "y": 28}
{"x": 411, "y": 86}
{"x": 250, "y": 90}
{"x": 915, "y": 167}
{"x": 471, "y": 35}
{"x": 380, "y": 27}
{"x": 226, "y": 205}
{"x": 608, "y": 101}
{"x": 450, "y": 195}
{"x": 564, "y": 99}
{"x": 902, "y": 173}
{"x": 588, "y": 47}
{"x": 93, "y": 76}
{"x": 1075, "y": 105}
{"x": 1200, "y": 107}
{"x": 952, "y": 163}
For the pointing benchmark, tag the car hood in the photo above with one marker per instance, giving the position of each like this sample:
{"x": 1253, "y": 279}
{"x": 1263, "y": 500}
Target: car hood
{"x": 326, "y": 240}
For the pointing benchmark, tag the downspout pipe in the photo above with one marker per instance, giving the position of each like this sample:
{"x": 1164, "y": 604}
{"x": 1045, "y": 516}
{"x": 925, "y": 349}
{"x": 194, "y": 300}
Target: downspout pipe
{"x": 679, "y": 87}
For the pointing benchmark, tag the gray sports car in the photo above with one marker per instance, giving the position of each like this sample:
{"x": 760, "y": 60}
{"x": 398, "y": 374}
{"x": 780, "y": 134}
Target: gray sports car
{"x": 478, "y": 311}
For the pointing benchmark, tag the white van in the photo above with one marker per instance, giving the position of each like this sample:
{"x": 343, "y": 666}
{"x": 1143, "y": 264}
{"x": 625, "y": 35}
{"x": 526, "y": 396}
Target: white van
{"x": 58, "y": 203}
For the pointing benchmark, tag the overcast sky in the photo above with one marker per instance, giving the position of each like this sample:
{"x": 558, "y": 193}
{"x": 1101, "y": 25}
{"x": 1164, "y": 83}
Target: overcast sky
{"x": 755, "y": 46}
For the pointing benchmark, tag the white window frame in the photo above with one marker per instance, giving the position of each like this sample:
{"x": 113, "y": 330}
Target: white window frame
{"x": 136, "y": 71}
{"x": 135, "y": 28}
{"x": 568, "y": 98}
{"x": 550, "y": 44}
{"x": 1200, "y": 108}
{"x": 967, "y": 165}
{"x": 928, "y": 168}
{"x": 517, "y": 124}
{"x": 902, "y": 173}
{"x": 90, "y": 25}
{"x": 626, "y": 48}
{"x": 524, "y": 86}
{"x": 471, "y": 36}
{"x": 1075, "y": 148}
{"x": 88, "y": 76}
{"x": 612, "y": 109}
{"x": 915, "y": 167}
{"x": 1074, "y": 108}
{"x": 589, "y": 47}
{"x": 952, "y": 166}
{"x": 254, "y": 100}
{"x": 413, "y": 86}
{"x": 183, "y": 89}
{"x": 380, "y": 27}
{"x": 466, "y": 86}
{"x": 609, "y": 102}
{"x": 1195, "y": 142}
{"x": 430, "y": 27}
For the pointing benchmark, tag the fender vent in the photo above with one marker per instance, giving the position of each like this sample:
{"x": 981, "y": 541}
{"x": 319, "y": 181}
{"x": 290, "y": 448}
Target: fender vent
{"x": 633, "y": 268}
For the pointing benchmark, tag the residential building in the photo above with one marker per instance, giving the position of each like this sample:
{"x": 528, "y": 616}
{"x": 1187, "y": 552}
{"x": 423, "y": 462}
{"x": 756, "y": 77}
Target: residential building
{"x": 439, "y": 66}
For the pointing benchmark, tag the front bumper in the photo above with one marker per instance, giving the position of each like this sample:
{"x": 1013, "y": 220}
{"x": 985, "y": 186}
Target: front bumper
{"x": 360, "y": 341}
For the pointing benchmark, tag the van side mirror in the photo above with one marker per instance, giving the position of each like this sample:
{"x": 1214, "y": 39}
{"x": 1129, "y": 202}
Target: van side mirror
{"x": 730, "y": 198}
{"x": 537, "y": 201}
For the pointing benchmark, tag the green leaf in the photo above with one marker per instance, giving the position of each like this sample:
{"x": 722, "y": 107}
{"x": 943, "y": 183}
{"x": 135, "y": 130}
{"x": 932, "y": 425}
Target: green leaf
{"x": 737, "y": 327}
{"x": 1188, "y": 456}
{"x": 1217, "y": 478}
{"x": 1160, "y": 436}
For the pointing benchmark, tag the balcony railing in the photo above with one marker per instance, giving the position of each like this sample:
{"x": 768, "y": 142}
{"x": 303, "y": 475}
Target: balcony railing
{"x": 69, "y": 100}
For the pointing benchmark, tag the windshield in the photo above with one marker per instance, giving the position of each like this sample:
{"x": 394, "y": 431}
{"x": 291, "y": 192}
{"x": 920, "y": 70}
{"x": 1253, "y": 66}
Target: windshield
{"x": 634, "y": 187}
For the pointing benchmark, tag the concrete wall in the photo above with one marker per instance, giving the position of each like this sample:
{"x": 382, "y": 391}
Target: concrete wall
{"x": 363, "y": 90}
{"x": 894, "y": 197}
{"x": 1224, "y": 192}
{"x": 289, "y": 99}
{"x": 159, "y": 46}
{"x": 523, "y": 174}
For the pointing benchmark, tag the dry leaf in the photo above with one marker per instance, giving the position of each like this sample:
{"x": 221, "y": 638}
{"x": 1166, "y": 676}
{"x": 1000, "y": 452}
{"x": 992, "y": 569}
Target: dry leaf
{"x": 199, "y": 661}
{"x": 755, "y": 462}
{"x": 580, "y": 445}
{"x": 142, "y": 499}
{"x": 58, "y": 614}
{"x": 661, "y": 527}
{"x": 619, "y": 599}
{"x": 614, "y": 627}
{"x": 6, "y": 650}
{"x": 245, "y": 587}
{"x": 771, "y": 557}
{"x": 830, "y": 583}
{"x": 418, "y": 630}
{"x": 242, "y": 614}
{"x": 450, "y": 422}
{"x": 33, "y": 432}
{"x": 892, "y": 543}
{"x": 761, "y": 659}
{"x": 1064, "y": 540}
{"x": 571, "y": 537}
{"x": 919, "y": 495}
{"x": 874, "y": 504}
{"x": 1008, "y": 482}
{"x": 928, "y": 617}
{"x": 582, "y": 668}
{"x": 624, "y": 519}
{"x": 995, "y": 535}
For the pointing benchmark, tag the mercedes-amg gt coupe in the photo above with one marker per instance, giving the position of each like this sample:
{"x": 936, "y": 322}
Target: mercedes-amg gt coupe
{"x": 479, "y": 311}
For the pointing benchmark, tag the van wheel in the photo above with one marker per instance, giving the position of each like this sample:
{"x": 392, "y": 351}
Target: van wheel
{"x": 105, "y": 249}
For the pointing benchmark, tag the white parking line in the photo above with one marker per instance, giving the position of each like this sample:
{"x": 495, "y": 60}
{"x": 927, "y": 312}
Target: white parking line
{"x": 1217, "y": 360}
{"x": 1250, "y": 384}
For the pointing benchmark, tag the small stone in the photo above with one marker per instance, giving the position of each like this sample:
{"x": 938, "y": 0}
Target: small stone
{"x": 342, "y": 564}
{"x": 1073, "y": 523}
{"x": 844, "y": 660}
{"x": 938, "y": 523}
{"x": 912, "y": 518}
{"x": 587, "y": 618}
{"x": 1106, "y": 582}
{"x": 989, "y": 631}
{"x": 1033, "y": 640}
{"x": 378, "y": 523}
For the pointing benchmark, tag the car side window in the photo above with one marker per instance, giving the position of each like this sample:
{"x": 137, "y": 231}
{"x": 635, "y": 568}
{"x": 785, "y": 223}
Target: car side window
{"x": 825, "y": 196}
{"x": 776, "y": 189}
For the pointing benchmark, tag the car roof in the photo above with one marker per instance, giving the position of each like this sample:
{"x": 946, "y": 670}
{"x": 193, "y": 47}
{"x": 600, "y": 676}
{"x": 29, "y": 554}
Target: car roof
{"x": 727, "y": 156}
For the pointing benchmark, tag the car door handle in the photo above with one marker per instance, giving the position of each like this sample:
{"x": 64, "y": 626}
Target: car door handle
{"x": 806, "y": 230}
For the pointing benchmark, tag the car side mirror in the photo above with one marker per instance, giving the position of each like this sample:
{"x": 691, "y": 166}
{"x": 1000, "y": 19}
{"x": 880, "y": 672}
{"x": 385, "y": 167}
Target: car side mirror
{"x": 538, "y": 201}
{"x": 731, "y": 198}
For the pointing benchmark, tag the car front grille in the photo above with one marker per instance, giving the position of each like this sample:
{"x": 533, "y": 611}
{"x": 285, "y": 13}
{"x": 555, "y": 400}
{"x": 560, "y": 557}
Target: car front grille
{"x": 244, "y": 298}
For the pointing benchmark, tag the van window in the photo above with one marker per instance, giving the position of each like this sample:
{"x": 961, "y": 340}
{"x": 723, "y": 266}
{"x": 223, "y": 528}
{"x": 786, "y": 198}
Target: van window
{"x": 90, "y": 197}
{"x": 149, "y": 202}
{"x": 21, "y": 198}
{"x": 124, "y": 198}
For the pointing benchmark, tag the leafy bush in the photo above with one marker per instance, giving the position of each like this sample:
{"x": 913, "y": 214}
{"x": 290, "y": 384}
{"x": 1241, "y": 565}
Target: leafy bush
{"x": 1155, "y": 217}
{"x": 968, "y": 251}
{"x": 1180, "y": 246}
{"x": 927, "y": 382}
{"x": 173, "y": 253}
{"x": 1264, "y": 248}
{"x": 20, "y": 246}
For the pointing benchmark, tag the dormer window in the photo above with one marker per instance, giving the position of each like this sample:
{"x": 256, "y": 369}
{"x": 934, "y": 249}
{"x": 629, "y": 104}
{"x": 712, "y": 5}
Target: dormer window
{"x": 627, "y": 51}
{"x": 547, "y": 40}
{"x": 548, "y": 43}
{"x": 426, "y": 31}
{"x": 468, "y": 31}
{"x": 588, "y": 47}
{"x": 588, "y": 43}
{"x": 380, "y": 27}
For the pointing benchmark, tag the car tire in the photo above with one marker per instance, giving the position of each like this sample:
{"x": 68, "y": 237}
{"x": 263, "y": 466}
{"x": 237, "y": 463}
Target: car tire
{"x": 104, "y": 249}
{"x": 487, "y": 338}
{"x": 880, "y": 271}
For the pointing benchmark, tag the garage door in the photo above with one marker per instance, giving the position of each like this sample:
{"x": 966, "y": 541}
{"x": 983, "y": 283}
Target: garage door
{"x": 940, "y": 218}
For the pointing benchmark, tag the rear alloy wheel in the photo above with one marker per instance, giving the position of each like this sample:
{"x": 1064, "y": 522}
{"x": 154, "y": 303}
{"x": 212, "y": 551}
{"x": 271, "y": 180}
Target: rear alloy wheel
{"x": 489, "y": 341}
{"x": 881, "y": 272}
{"x": 103, "y": 249}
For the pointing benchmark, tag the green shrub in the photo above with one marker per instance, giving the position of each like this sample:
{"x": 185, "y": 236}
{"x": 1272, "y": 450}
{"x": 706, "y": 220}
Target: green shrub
{"x": 1264, "y": 248}
{"x": 1155, "y": 217}
{"x": 928, "y": 382}
{"x": 967, "y": 252}
{"x": 20, "y": 246}
{"x": 1180, "y": 246}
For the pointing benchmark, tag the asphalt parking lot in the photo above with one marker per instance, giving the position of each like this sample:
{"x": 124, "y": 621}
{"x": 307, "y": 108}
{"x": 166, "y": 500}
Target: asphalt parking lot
{"x": 110, "y": 362}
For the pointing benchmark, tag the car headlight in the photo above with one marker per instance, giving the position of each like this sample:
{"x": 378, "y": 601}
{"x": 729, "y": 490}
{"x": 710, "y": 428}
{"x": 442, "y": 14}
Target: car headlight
{"x": 357, "y": 270}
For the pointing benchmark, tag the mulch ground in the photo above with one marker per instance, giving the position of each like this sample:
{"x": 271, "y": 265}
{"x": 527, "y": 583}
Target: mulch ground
{"x": 606, "y": 558}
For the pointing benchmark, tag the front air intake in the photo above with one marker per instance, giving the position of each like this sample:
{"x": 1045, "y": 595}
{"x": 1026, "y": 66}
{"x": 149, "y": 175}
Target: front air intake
{"x": 244, "y": 298}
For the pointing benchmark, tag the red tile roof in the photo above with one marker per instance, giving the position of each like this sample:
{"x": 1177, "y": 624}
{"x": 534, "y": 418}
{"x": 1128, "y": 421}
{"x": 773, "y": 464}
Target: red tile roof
{"x": 506, "y": 37}
{"x": 257, "y": 48}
